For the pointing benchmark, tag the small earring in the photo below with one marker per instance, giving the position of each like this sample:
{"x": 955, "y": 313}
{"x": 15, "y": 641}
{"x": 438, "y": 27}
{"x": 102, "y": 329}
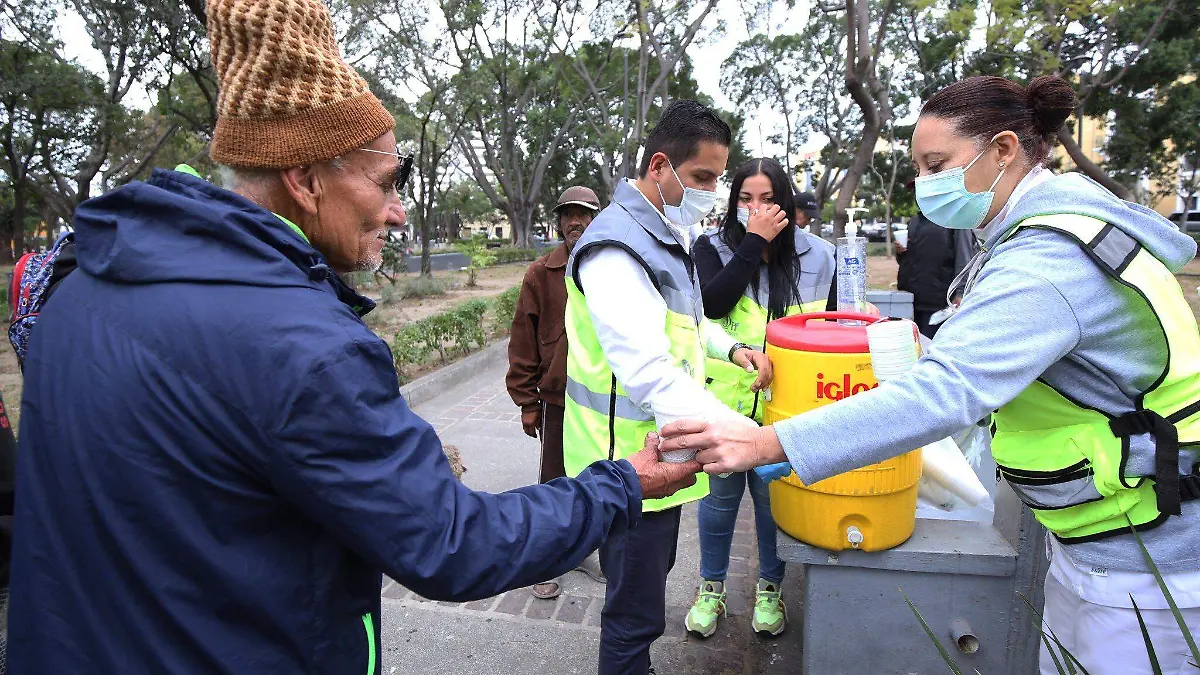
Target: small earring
{"x": 1001, "y": 165}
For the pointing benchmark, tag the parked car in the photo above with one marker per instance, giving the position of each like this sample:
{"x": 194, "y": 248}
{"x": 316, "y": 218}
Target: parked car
{"x": 1193, "y": 222}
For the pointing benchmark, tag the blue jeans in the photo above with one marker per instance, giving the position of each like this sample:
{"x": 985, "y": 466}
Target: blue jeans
{"x": 718, "y": 515}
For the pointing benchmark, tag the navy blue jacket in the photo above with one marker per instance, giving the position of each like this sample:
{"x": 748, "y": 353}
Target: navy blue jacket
{"x": 216, "y": 464}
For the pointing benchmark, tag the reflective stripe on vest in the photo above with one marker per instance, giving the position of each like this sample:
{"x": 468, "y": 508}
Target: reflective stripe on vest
{"x": 747, "y": 321}
{"x": 1068, "y": 462}
{"x": 621, "y": 406}
{"x": 600, "y": 420}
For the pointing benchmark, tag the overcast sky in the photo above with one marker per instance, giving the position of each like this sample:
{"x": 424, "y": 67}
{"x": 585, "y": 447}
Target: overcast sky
{"x": 706, "y": 57}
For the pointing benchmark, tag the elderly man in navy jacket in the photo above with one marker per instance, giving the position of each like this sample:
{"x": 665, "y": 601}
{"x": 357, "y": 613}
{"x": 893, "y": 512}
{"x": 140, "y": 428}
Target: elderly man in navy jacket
{"x": 216, "y": 464}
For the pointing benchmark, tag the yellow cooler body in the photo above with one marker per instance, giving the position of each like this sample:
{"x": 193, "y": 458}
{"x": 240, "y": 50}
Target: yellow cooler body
{"x": 816, "y": 363}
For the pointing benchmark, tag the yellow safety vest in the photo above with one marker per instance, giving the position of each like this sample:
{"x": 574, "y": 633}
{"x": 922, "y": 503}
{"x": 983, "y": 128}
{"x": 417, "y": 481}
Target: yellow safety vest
{"x": 1066, "y": 461}
{"x": 601, "y": 421}
{"x": 747, "y": 321}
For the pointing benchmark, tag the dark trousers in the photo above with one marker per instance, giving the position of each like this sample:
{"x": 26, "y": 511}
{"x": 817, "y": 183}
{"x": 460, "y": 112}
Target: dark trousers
{"x": 636, "y": 563}
{"x": 921, "y": 318}
{"x": 552, "y": 443}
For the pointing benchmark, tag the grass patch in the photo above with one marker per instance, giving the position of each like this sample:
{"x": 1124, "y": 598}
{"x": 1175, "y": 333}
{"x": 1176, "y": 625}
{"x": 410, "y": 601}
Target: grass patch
{"x": 417, "y": 287}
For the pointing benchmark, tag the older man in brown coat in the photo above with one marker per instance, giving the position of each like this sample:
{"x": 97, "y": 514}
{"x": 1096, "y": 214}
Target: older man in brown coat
{"x": 537, "y": 351}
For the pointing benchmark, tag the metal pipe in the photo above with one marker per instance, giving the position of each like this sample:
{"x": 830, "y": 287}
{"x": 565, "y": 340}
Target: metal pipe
{"x": 964, "y": 638}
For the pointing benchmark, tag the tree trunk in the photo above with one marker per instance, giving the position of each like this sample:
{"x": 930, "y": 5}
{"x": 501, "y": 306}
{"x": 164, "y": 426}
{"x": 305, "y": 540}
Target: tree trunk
{"x": 20, "y": 198}
{"x": 426, "y": 270}
{"x": 21, "y": 203}
{"x": 1090, "y": 168}
{"x": 521, "y": 220}
{"x": 854, "y": 174}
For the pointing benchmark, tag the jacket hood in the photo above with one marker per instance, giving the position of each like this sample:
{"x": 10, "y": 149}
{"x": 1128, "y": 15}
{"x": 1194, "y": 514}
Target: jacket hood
{"x": 1078, "y": 194}
{"x": 178, "y": 228}
{"x": 175, "y": 227}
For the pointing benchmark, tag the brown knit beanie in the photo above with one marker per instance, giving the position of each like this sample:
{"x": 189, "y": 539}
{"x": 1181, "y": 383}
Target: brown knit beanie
{"x": 286, "y": 96}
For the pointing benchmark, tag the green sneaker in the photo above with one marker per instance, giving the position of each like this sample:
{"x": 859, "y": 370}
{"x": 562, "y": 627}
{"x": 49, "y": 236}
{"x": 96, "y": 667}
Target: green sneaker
{"x": 709, "y": 606}
{"x": 770, "y": 614}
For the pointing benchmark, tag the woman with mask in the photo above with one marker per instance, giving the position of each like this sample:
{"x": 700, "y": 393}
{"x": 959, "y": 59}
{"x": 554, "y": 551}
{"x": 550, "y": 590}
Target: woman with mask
{"x": 1074, "y": 331}
{"x": 758, "y": 266}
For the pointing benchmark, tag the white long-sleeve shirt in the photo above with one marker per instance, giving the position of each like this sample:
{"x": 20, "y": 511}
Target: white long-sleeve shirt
{"x": 628, "y": 315}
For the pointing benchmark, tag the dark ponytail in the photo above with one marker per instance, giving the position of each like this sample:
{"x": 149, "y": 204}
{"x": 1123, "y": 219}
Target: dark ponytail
{"x": 983, "y": 106}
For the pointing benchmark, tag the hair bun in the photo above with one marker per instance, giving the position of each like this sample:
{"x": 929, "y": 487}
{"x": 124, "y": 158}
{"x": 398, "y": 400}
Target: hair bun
{"x": 1052, "y": 101}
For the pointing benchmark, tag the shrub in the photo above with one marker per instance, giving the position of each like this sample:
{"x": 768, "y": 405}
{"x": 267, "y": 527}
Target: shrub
{"x": 359, "y": 280}
{"x": 504, "y": 307}
{"x": 509, "y": 254}
{"x": 467, "y": 325}
{"x": 476, "y": 249}
{"x": 457, "y": 330}
{"x": 422, "y": 287}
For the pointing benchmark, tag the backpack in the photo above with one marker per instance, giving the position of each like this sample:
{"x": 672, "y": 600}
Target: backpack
{"x": 33, "y": 280}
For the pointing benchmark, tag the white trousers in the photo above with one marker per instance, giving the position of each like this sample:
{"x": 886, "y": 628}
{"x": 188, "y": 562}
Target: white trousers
{"x": 1108, "y": 640}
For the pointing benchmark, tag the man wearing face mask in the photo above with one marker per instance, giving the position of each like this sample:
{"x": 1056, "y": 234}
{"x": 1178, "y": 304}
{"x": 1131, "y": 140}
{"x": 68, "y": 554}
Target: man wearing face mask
{"x": 638, "y": 340}
{"x": 537, "y": 348}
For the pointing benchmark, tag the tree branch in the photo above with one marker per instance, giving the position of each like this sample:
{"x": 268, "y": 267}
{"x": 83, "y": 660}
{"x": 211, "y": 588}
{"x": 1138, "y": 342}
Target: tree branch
{"x": 1090, "y": 168}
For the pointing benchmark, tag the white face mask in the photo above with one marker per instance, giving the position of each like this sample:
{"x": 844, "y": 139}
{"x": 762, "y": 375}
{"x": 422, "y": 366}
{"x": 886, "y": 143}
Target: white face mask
{"x": 743, "y": 216}
{"x": 695, "y": 205}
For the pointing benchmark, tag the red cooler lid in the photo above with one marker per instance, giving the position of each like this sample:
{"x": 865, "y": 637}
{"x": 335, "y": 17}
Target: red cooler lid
{"x": 811, "y": 333}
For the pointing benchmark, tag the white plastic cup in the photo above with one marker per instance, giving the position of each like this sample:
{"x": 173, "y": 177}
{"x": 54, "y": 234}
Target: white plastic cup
{"x": 901, "y": 237}
{"x": 893, "y": 346}
{"x": 667, "y": 417}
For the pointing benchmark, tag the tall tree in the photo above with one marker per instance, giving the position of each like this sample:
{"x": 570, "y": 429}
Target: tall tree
{"x": 762, "y": 73}
{"x": 502, "y": 53}
{"x": 122, "y": 33}
{"x": 934, "y": 35}
{"x": 663, "y": 33}
{"x": 1155, "y": 113}
{"x": 1094, "y": 43}
{"x": 871, "y": 93}
{"x": 43, "y": 102}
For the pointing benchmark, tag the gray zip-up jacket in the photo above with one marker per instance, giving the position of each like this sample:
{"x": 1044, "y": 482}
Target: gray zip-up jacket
{"x": 1039, "y": 308}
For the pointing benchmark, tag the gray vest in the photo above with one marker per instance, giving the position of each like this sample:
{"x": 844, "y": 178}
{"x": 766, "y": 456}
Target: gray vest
{"x": 631, "y": 223}
{"x": 816, "y": 263}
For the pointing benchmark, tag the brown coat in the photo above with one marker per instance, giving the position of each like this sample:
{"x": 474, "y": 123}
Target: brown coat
{"x": 537, "y": 351}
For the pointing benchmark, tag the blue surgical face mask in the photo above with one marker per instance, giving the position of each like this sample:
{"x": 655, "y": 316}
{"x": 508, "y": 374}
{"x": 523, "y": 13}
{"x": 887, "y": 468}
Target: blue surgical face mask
{"x": 743, "y": 216}
{"x": 695, "y": 205}
{"x": 945, "y": 200}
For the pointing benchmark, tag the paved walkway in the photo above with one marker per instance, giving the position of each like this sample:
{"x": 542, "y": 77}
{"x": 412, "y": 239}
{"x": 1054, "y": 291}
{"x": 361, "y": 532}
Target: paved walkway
{"x": 514, "y": 633}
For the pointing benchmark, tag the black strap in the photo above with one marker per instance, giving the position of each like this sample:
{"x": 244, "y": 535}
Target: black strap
{"x": 1189, "y": 487}
{"x": 1166, "y": 453}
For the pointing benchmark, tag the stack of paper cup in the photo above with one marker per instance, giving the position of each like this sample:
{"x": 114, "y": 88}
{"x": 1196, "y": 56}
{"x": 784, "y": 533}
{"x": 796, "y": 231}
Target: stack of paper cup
{"x": 945, "y": 472}
{"x": 893, "y": 346}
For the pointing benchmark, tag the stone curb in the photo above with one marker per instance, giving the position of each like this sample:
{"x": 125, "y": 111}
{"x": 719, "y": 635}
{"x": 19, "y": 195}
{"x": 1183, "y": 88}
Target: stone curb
{"x": 429, "y": 387}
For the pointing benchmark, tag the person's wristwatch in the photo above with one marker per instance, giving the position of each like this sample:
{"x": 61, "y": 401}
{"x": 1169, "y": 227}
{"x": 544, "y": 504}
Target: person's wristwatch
{"x": 736, "y": 346}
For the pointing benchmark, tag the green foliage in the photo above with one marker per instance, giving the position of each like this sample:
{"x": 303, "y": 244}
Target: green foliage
{"x": 468, "y": 327}
{"x": 423, "y": 286}
{"x": 759, "y": 76}
{"x": 508, "y": 254}
{"x": 466, "y": 199}
{"x": 1132, "y": 63}
{"x": 505, "y": 308}
{"x": 455, "y": 332}
{"x": 477, "y": 251}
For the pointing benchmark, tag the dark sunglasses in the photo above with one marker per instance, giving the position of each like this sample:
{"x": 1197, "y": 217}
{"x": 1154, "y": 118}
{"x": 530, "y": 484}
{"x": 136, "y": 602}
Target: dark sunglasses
{"x": 403, "y": 170}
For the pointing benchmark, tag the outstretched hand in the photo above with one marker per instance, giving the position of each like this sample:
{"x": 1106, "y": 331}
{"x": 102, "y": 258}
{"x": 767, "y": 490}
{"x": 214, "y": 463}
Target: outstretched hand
{"x": 724, "y": 445}
{"x": 658, "y": 478}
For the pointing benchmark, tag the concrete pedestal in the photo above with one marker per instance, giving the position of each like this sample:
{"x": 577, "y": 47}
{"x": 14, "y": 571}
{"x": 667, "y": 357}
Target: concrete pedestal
{"x": 961, "y": 573}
